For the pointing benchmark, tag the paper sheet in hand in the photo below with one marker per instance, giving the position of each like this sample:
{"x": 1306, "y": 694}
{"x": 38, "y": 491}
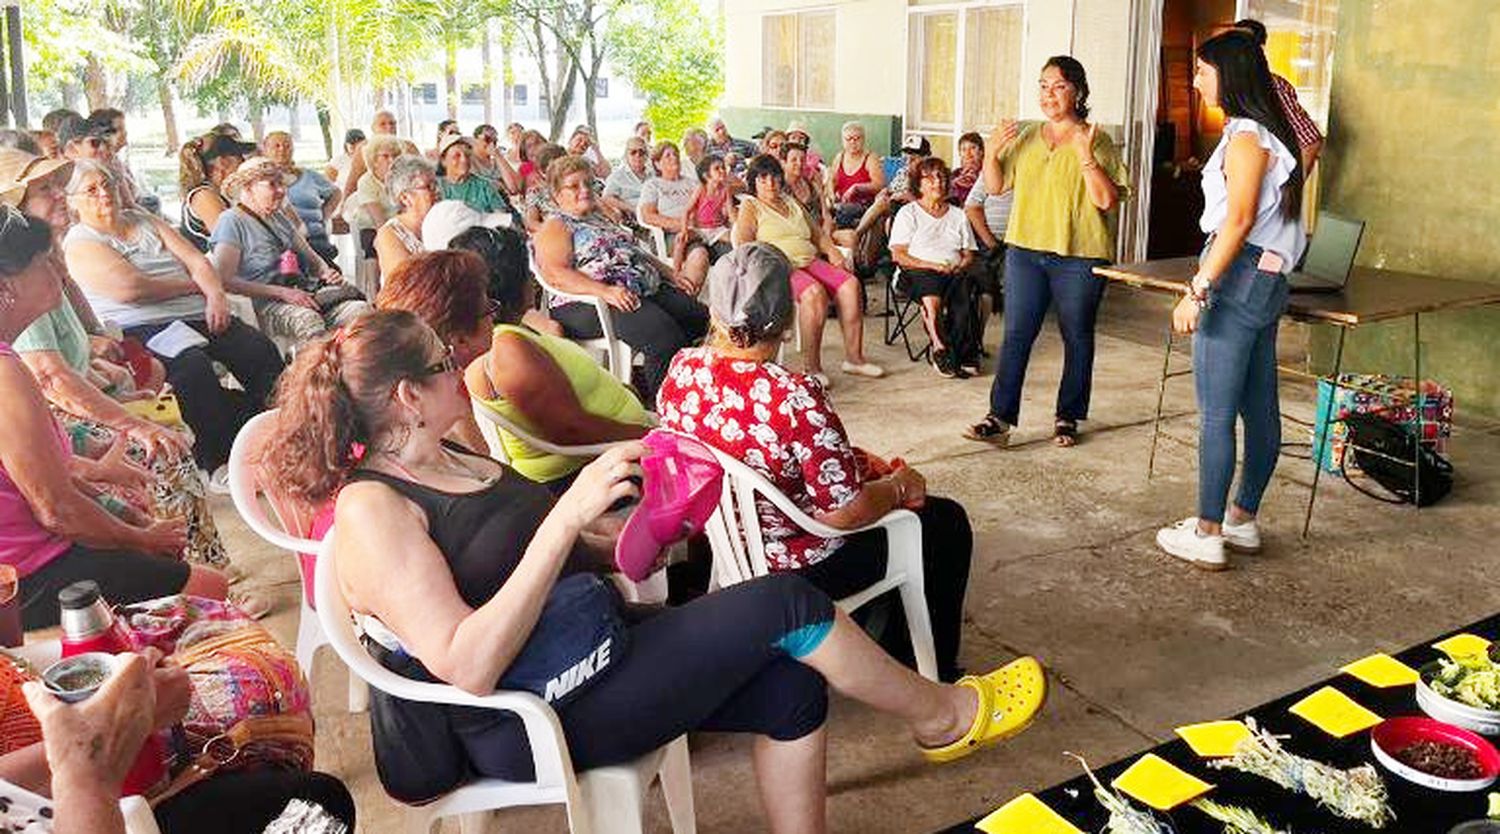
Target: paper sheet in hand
{"x": 174, "y": 339}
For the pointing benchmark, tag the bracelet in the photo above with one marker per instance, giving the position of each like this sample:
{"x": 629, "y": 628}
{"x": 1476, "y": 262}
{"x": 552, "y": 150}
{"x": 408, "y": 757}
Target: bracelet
{"x": 1090, "y": 165}
{"x": 900, "y": 493}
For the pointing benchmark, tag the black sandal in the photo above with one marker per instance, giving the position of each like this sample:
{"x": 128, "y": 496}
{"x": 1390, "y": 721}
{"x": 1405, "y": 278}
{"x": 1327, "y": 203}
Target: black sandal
{"x": 1065, "y": 433}
{"x": 989, "y": 430}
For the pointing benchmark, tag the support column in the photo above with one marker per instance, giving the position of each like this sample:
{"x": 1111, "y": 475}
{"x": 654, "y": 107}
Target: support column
{"x": 17, "y": 63}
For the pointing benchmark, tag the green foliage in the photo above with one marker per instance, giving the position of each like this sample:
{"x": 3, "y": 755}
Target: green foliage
{"x": 673, "y": 52}
{"x": 61, "y": 36}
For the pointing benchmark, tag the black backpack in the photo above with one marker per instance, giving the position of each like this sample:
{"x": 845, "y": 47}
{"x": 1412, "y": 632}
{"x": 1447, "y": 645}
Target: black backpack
{"x": 1385, "y": 451}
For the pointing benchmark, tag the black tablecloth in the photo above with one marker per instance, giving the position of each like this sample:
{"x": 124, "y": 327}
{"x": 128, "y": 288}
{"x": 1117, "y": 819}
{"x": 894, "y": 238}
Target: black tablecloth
{"x": 1418, "y": 810}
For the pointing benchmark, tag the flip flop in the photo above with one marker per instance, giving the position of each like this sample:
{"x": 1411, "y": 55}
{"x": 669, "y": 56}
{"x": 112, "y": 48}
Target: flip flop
{"x": 1010, "y": 698}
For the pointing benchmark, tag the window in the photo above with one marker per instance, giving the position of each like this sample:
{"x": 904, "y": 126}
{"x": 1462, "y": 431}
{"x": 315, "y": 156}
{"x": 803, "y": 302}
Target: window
{"x": 966, "y": 71}
{"x": 601, "y": 87}
{"x": 425, "y": 93}
{"x": 473, "y": 94}
{"x": 518, "y": 94}
{"x": 797, "y": 52}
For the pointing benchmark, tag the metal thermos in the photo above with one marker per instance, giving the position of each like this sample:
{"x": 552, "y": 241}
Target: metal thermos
{"x": 87, "y": 623}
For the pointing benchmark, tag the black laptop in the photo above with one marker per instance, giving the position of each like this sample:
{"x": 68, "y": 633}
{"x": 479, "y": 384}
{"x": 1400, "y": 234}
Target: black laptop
{"x": 1330, "y": 255}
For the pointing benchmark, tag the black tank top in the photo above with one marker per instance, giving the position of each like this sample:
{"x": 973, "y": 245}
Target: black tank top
{"x": 481, "y": 534}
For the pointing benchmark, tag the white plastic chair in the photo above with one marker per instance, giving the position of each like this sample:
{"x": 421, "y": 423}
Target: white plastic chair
{"x": 246, "y": 492}
{"x": 605, "y": 799}
{"x": 619, "y": 357}
{"x": 739, "y": 550}
{"x": 654, "y": 588}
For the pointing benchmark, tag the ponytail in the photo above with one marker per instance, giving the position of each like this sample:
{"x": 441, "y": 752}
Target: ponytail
{"x": 191, "y": 170}
{"x": 336, "y": 396}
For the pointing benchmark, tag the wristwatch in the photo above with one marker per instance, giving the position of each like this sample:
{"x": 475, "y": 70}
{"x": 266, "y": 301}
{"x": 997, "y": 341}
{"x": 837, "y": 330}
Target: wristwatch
{"x": 1198, "y": 289}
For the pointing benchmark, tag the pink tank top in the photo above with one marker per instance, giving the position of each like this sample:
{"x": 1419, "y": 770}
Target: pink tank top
{"x": 842, "y": 181}
{"x": 24, "y": 542}
{"x": 710, "y": 213}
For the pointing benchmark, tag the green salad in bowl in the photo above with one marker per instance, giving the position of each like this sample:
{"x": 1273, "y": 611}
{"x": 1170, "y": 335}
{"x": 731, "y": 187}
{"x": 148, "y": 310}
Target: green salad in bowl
{"x": 1473, "y": 680}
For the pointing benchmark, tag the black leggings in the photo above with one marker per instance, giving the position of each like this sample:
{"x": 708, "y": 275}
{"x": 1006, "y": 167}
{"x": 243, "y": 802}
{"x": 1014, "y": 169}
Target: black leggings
{"x": 214, "y": 413}
{"x": 947, "y": 547}
{"x": 665, "y": 323}
{"x": 724, "y": 662}
{"x": 245, "y": 803}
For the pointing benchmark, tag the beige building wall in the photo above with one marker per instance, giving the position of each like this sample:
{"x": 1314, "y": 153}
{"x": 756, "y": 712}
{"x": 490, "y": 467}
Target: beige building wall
{"x": 871, "y": 74}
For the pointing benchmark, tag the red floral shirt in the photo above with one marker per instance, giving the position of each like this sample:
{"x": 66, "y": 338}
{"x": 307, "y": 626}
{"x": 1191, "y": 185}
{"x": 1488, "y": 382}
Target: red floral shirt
{"x": 781, "y": 425}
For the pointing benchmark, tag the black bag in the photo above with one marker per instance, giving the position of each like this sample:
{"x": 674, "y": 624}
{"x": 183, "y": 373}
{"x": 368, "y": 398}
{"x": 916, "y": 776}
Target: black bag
{"x": 1385, "y": 451}
{"x": 959, "y": 323}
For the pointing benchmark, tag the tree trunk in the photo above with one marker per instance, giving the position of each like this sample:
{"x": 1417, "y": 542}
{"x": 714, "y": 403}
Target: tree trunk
{"x": 325, "y": 125}
{"x": 507, "y": 68}
{"x": 450, "y": 74}
{"x": 168, "y": 115}
{"x": 564, "y": 102}
{"x": 403, "y": 107}
{"x": 257, "y": 120}
{"x": 70, "y": 96}
{"x": 96, "y": 84}
{"x": 293, "y": 124}
{"x": 488, "y": 69}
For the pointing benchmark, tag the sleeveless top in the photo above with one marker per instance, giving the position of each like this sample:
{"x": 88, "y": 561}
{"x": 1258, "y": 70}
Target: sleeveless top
{"x": 710, "y": 213}
{"x": 790, "y": 232}
{"x": 842, "y": 181}
{"x": 24, "y": 543}
{"x": 607, "y": 252}
{"x": 412, "y": 243}
{"x": 420, "y": 747}
{"x": 197, "y": 231}
{"x": 598, "y": 393}
{"x": 146, "y": 252}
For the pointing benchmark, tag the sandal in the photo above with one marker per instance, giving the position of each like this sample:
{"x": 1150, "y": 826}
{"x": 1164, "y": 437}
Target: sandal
{"x": 1065, "y": 433}
{"x": 1010, "y": 698}
{"x": 250, "y": 603}
{"x": 989, "y": 430}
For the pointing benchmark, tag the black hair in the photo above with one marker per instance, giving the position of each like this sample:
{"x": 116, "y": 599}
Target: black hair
{"x": 22, "y": 239}
{"x": 20, "y": 140}
{"x": 1256, "y": 29}
{"x": 764, "y": 165}
{"x": 445, "y": 124}
{"x": 973, "y": 138}
{"x": 106, "y": 116}
{"x": 227, "y": 129}
{"x": 1072, "y": 72}
{"x": 71, "y": 128}
{"x": 482, "y": 129}
{"x": 706, "y": 163}
{"x": 1246, "y": 91}
{"x": 504, "y": 253}
{"x": 353, "y": 136}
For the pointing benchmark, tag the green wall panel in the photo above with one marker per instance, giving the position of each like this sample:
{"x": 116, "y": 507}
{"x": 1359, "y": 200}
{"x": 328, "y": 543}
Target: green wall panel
{"x": 882, "y": 133}
{"x": 1414, "y": 138}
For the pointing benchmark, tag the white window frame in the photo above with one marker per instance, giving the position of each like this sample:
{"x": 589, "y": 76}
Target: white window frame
{"x": 914, "y": 77}
{"x": 797, "y": 104}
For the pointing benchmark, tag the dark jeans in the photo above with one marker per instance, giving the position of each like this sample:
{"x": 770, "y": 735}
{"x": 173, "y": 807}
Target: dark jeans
{"x": 214, "y": 413}
{"x": 1033, "y": 281}
{"x": 947, "y": 546}
{"x": 724, "y": 662}
{"x": 245, "y": 803}
{"x": 664, "y": 324}
{"x": 1234, "y": 374}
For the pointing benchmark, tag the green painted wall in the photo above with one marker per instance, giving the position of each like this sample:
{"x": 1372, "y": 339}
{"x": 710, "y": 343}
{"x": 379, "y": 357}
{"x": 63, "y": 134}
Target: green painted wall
{"x": 1413, "y": 144}
{"x": 882, "y": 133}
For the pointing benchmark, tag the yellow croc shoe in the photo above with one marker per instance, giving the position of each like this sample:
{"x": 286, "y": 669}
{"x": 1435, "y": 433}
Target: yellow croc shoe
{"x": 1009, "y": 700}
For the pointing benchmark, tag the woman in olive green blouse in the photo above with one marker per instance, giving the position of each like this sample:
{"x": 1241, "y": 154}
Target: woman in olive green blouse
{"x": 1067, "y": 177}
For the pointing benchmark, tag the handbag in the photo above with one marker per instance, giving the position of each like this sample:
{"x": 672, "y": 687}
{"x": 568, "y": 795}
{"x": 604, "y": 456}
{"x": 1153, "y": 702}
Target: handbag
{"x": 1385, "y": 451}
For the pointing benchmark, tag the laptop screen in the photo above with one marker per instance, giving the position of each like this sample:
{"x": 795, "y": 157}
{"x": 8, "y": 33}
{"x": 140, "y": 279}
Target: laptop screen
{"x": 1330, "y": 253}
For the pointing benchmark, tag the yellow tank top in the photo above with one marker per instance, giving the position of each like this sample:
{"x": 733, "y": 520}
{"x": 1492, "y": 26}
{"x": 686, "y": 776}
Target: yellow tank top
{"x": 790, "y": 232}
{"x": 597, "y": 391}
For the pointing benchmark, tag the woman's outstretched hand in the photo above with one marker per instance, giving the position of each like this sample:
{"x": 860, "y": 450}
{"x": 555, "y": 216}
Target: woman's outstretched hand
{"x": 612, "y": 476}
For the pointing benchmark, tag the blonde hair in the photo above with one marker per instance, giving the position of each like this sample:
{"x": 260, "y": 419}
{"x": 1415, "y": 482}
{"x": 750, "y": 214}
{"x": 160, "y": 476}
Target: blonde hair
{"x": 376, "y": 145}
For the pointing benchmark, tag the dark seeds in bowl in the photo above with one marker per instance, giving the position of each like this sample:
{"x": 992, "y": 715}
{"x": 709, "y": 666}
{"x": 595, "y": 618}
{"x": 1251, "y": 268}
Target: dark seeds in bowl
{"x": 79, "y": 679}
{"x": 1445, "y": 761}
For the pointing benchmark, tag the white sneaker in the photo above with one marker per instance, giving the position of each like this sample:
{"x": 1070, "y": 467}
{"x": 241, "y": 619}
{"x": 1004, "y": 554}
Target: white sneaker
{"x": 1242, "y": 538}
{"x": 822, "y": 379}
{"x": 1185, "y": 542}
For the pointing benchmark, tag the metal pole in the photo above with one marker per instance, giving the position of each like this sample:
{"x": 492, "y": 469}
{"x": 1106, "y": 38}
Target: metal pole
{"x": 4, "y": 88}
{"x": 1327, "y": 422}
{"x": 17, "y": 64}
{"x": 1416, "y": 464}
{"x": 1161, "y": 395}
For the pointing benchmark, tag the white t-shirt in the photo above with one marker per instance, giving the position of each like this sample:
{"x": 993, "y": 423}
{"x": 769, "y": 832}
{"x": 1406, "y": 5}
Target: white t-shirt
{"x": 1271, "y": 231}
{"x": 672, "y": 197}
{"x": 937, "y": 239}
{"x": 996, "y": 209}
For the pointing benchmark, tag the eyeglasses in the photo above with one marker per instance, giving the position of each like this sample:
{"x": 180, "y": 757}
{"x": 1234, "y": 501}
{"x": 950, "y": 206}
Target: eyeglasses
{"x": 1059, "y": 87}
{"x": 491, "y": 306}
{"x": 636, "y": 152}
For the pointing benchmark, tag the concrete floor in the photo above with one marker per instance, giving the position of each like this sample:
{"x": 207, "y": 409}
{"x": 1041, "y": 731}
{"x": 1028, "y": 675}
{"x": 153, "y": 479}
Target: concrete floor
{"x": 1065, "y": 568}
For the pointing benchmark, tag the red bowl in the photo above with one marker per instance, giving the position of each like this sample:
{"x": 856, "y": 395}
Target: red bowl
{"x": 1396, "y": 734}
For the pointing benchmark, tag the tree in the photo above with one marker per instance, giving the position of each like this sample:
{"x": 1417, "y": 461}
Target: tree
{"x": 576, "y": 32}
{"x": 69, "y": 40}
{"x": 671, "y": 51}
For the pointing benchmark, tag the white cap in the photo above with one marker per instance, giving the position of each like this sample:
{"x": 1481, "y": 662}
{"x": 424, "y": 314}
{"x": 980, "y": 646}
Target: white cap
{"x": 451, "y": 218}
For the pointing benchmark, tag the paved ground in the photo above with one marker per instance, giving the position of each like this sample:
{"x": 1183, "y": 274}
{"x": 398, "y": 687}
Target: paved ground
{"x": 1065, "y": 569}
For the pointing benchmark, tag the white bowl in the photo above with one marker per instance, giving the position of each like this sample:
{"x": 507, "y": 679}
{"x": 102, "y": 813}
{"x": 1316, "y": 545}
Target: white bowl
{"x": 1394, "y": 734}
{"x": 1486, "y": 722}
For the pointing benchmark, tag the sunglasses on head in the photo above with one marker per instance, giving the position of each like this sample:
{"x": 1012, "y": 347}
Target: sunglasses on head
{"x": 445, "y": 366}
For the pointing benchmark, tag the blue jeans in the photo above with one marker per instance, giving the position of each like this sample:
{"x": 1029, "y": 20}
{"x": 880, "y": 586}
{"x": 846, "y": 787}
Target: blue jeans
{"x": 1033, "y": 280}
{"x": 1234, "y": 373}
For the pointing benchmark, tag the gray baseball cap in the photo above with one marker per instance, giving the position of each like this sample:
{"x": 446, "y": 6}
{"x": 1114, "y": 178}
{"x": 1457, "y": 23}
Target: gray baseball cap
{"x": 751, "y": 288}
